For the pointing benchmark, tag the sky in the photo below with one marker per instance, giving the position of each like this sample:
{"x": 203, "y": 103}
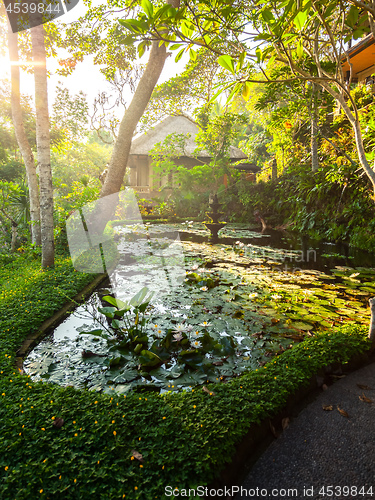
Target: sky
{"x": 86, "y": 77}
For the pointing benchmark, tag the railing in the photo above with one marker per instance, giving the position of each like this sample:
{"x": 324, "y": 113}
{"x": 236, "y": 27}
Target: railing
{"x": 141, "y": 189}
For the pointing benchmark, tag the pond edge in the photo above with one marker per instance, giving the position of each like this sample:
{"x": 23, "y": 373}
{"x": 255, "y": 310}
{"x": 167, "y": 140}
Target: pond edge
{"x": 34, "y": 338}
{"x": 259, "y": 436}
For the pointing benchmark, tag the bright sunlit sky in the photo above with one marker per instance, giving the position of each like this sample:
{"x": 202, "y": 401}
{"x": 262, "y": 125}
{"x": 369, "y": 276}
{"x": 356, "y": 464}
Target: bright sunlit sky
{"x": 86, "y": 76}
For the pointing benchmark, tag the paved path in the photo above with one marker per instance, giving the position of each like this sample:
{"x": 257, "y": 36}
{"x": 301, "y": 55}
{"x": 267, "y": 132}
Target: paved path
{"x": 322, "y": 448}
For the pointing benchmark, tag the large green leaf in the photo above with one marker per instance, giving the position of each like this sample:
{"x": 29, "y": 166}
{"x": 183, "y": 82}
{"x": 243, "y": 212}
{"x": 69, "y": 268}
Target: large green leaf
{"x": 147, "y": 7}
{"x": 300, "y": 19}
{"x": 148, "y": 358}
{"x": 268, "y": 16}
{"x": 227, "y": 63}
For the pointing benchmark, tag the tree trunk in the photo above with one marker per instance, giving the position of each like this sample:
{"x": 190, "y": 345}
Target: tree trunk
{"x": 43, "y": 145}
{"x": 274, "y": 169}
{"x": 106, "y": 205}
{"x": 120, "y": 154}
{"x": 14, "y": 237}
{"x": 361, "y": 153}
{"x": 314, "y": 131}
{"x": 357, "y": 134}
{"x": 371, "y": 333}
{"x": 23, "y": 143}
{"x": 117, "y": 166}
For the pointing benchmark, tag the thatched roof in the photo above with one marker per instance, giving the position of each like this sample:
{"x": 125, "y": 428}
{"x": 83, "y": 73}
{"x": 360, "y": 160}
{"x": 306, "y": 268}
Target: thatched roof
{"x": 176, "y": 125}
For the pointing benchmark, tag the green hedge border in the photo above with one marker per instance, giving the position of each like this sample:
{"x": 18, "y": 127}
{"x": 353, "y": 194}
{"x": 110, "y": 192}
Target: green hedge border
{"x": 186, "y": 439}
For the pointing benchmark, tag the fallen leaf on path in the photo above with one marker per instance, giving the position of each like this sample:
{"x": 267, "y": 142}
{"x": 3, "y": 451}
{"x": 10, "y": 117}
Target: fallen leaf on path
{"x": 343, "y": 412}
{"x": 285, "y": 422}
{"x": 364, "y": 387}
{"x": 327, "y": 407}
{"x": 365, "y": 399}
{"x": 273, "y": 430}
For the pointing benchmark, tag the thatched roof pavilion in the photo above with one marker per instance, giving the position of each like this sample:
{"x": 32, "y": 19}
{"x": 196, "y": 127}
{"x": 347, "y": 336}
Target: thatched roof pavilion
{"x": 140, "y": 161}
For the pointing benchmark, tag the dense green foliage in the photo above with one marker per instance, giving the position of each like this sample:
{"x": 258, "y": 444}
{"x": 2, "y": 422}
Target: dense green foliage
{"x": 185, "y": 439}
{"x": 329, "y": 205}
{"x": 334, "y": 203}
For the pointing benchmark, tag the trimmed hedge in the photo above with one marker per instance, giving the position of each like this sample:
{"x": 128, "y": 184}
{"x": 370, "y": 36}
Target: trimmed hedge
{"x": 185, "y": 438}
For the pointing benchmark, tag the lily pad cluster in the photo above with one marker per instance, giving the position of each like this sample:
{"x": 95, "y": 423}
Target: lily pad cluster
{"x": 231, "y": 314}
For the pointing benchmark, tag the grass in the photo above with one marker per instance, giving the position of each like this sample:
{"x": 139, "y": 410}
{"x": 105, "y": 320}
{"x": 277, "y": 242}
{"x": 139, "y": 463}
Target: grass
{"x": 185, "y": 439}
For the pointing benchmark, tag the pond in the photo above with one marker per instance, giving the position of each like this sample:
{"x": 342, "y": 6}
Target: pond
{"x": 241, "y": 301}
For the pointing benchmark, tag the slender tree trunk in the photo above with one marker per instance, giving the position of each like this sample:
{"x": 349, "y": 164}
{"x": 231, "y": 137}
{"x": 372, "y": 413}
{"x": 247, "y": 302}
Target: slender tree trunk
{"x": 361, "y": 153}
{"x": 14, "y": 237}
{"x": 370, "y": 172}
{"x": 117, "y": 166}
{"x": 274, "y": 169}
{"x": 371, "y": 18}
{"x": 120, "y": 154}
{"x": 106, "y": 205}
{"x": 371, "y": 333}
{"x": 23, "y": 143}
{"x": 351, "y": 115}
{"x": 43, "y": 145}
{"x": 314, "y": 131}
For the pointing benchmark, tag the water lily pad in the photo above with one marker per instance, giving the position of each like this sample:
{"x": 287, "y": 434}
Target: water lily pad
{"x": 299, "y": 325}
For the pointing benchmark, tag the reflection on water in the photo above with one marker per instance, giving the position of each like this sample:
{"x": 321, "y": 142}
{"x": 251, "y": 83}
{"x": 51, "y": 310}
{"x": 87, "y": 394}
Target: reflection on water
{"x": 264, "y": 291}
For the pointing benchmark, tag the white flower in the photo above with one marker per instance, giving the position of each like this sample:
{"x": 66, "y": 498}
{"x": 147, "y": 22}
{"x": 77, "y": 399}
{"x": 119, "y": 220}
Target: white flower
{"x": 188, "y": 328}
{"x": 195, "y": 267}
{"x": 179, "y": 328}
{"x": 275, "y": 297}
{"x": 253, "y": 295}
{"x": 196, "y": 335}
{"x": 205, "y": 323}
{"x": 177, "y": 337}
{"x": 204, "y": 288}
{"x": 354, "y": 275}
{"x": 196, "y": 344}
{"x": 157, "y": 331}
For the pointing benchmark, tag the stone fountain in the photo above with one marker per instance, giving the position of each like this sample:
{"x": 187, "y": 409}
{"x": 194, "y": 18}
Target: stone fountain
{"x": 214, "y": 226}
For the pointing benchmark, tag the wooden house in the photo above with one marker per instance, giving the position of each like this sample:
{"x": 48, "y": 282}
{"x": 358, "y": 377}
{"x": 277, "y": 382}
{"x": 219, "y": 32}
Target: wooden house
{"x": 362, "y": 59}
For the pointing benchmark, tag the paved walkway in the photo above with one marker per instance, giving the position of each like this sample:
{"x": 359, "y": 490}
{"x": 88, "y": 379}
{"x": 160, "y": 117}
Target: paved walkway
{"x": 323, "y": 454}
